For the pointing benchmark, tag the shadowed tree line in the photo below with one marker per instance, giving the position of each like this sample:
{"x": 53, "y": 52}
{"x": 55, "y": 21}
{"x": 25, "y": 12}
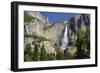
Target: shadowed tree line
{"x": 40, "y": 54}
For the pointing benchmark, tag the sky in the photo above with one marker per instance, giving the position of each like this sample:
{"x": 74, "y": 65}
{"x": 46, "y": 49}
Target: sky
{"x": 55, "y": 17}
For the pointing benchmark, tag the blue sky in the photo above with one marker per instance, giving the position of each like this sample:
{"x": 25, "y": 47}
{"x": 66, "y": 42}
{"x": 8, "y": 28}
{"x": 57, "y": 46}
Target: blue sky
{"x": 57, "y": 16}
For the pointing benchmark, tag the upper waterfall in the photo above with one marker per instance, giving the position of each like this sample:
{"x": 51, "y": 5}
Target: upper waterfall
{"x": 64, "y": 40}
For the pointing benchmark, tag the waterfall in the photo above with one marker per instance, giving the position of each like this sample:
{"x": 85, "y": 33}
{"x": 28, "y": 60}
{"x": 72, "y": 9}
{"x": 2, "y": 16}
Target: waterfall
{"x": 64, "y": 40}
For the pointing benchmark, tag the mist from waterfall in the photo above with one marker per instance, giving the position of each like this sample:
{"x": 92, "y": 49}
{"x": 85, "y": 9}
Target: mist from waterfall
{"x": 64, "y": 40}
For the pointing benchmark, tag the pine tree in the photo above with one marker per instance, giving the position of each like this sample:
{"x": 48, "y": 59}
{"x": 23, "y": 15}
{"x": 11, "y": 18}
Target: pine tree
{"x": 60, "y": 55}
{"x": 83, "y": 44}
{"x": 27, "y": 53}
{"x": 36, "y": 53}
{"x": 43, "y": 54}
{"x": 67, "y": 56}
{"x": 51, "y": 56}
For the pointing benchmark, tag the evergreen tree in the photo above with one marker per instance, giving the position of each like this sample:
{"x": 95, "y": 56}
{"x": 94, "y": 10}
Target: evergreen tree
{"x": 43, "y": 54}
{"x": 67, "y": 56}
{"x": 36, "y": 53}
{"x": 27, "y": 49}
{"x": 51, "y": 56}
{"x": 60, "y": 55}
{"x": 27, "y": 53}
{"x": 83, "y": 44}
{"x": 27, "y": 57}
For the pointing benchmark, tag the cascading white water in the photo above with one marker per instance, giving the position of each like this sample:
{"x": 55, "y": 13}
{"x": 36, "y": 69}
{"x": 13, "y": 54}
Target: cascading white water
{"x": 64, "y": 41}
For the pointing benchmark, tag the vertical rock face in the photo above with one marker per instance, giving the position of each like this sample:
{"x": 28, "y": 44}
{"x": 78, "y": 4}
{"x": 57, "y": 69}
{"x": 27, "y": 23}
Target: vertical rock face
{"x": 29, "y": 28}
{"x": 55, "y": 32}
{"x": 36, "y": 25}
{"x": 77, "y": 22}
{"x": 40, "y": 30}
{"x": 38, "y": 15}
